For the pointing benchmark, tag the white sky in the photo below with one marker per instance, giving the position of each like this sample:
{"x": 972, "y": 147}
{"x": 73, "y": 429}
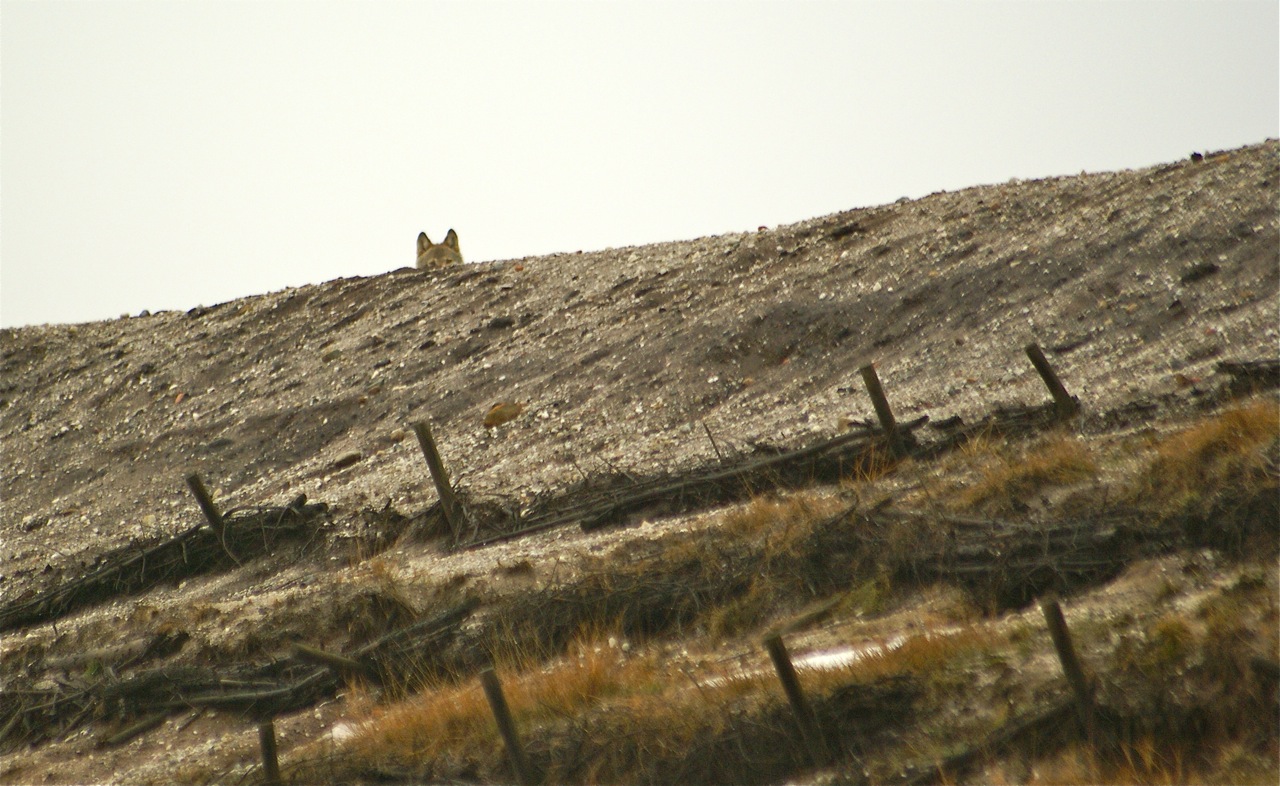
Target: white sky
{"x": 159, "y": 155}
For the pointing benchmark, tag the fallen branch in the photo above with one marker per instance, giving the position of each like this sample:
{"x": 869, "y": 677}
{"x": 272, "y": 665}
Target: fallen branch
{"x": 725, "y": 481}
{"x": 133, "y": 569}
{"x": 1020, "y": 730}
{"x": 258, "y": 692}
{"x": 1251, "y": 374}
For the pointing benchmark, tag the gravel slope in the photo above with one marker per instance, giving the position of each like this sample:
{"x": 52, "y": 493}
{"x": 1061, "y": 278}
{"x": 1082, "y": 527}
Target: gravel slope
{"x": 1133, "y": 281}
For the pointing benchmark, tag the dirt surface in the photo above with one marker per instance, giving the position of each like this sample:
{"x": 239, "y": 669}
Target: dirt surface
{"x": 1136, "y": 283}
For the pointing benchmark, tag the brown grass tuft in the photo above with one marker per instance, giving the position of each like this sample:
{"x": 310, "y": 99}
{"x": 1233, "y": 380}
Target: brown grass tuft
{"x": 1227, "y": 455}
{"x": 1011, "y": 476}
{"x": 776, "y": 518}
{"x": 923, "y": 655}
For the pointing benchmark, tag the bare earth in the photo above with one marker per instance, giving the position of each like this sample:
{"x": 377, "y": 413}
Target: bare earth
{"x": 1136, "y": 284}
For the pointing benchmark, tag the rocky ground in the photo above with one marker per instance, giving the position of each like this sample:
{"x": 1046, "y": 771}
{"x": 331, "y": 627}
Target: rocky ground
{"x": 1136, "y": 284}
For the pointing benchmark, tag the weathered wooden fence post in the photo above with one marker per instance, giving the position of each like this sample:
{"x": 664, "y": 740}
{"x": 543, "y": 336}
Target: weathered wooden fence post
{"x": 1070, "y": 663}
{"x": 805, "y": 718}
{"x": 448, "y": 502}
{"x": 211, "y": 513}
{"x": 883, "y": 413}
{"x": 506, "y": 726}
{"x": 205, "y": 501}
{"x": 270, "y": 759}
{"x": 1063, "y": 403}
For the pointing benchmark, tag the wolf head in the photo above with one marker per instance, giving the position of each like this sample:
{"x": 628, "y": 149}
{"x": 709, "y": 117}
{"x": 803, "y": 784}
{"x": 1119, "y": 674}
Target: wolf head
{"x": 432, "y": 255}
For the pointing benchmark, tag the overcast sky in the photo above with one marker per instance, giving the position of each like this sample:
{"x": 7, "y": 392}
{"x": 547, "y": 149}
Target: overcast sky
{"x": 161, "y": 155}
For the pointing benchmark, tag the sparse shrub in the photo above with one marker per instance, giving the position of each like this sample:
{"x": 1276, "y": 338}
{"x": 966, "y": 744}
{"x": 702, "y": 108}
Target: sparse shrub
{"x": 1169, "y": 643}
{"x": 744, "y": 612}
{"x": 1239, "y": 624}
{"x": 875, "y": 462}
{"x": 1157, "y": 654}
{"x": 868, "y": 597}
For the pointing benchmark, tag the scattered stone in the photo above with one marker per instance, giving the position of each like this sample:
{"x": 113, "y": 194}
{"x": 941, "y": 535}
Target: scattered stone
{"x": 1198, "y": 272}
{"x": 346, "y": 460}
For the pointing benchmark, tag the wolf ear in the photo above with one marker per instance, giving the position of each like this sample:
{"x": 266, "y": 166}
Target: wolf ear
{"x": 451, "y": 240}
{"x": 424, "y": 242}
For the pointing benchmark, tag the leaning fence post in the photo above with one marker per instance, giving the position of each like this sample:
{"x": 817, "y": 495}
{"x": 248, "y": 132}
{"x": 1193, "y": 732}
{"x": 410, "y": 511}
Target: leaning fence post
{"x": 448, "y": 502}
{"x": 883, "y": 413}
{"x": 205, "y": 501}
{"x": 270, "y": 759}
{"x": 506, "y": 726}
{"x": 805, "y": 718}
{"x": 1070, "y": 663}
{"x": 210, "y": 510}
{"x": 1063, "y": 403}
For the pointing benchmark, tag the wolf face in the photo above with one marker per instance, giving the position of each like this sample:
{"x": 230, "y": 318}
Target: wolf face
{"x": 432, "y": 256}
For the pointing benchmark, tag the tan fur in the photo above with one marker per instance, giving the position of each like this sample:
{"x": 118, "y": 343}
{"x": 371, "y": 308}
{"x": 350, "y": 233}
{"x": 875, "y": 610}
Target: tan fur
{"x": 432, "y": 256}
{"x": 504, "y": 412}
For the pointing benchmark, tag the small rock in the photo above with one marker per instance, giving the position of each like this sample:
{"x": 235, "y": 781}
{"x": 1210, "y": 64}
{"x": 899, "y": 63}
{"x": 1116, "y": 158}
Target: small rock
{"x": 1198, "y": 272}
{"x": 347, "y": 460}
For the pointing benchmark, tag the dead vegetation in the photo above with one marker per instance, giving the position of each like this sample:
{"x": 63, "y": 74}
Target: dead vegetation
{"x": 140, "y": 566}
{"x": 1014, "y": 473}
{"x": 1216, "y": 476}
{"x": 600, "y": 697}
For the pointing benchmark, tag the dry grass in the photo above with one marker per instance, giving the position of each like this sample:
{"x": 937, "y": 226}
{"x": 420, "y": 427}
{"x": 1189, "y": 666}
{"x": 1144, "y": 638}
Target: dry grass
{"x": 779, "y": 531}
{"x": 923, "y": 658}
{"x": 448, "y": 723}
{"x": 925, "y": 655}
{"x": 1141, "y": 763}
{"x": 590, "y": 714}
{"x": 732, "y": 577}
{"x": 877, "y": 461}
{"x": 1199, "y": 709}
{"x": 600, "y": 717}
{"x": 1146, "y": 760}
{"x": 1221, "y": 457}
{"x": 1008, "y": 476}
{"x": 594, "y": 718}
{"x": 779, "y": 520}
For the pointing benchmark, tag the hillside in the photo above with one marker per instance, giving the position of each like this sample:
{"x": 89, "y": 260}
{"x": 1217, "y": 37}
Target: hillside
{"x": 637, "y": 364}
